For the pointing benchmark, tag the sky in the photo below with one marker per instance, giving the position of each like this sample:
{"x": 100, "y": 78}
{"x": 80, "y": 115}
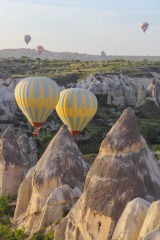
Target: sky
{"x": 83, "y": 26}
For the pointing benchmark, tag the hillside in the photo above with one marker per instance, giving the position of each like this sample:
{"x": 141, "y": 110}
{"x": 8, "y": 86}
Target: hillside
{"x": 18, "y": 53}
{"x": 123, "y": 163}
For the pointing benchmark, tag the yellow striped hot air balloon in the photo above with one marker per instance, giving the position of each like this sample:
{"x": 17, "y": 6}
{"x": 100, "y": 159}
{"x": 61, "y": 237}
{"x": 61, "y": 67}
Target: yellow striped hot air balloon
{"x": 37, "y": 97}
{"x": 76, "y": 107}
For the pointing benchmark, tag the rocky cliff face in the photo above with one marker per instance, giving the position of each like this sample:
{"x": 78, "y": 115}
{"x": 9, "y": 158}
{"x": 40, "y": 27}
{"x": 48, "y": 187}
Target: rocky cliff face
{"x": 120, "y": 90}
{"x": 124, "y": 169}
{"x": 140, "y": 220}
{"x": 53, "y": 185}
{"x": 131, "y": 220}
{"x": 29, "y": 147}
{"x": 151, "y": 222}
{"x": 141, "y": 96}
{"x": 13, "y": 163}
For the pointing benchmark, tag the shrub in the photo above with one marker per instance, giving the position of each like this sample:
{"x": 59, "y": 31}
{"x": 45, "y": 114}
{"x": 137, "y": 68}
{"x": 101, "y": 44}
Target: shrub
{"x": 41, "y": 236}
{"x": 4, "y": 205}
{"x": 19, "y": 234}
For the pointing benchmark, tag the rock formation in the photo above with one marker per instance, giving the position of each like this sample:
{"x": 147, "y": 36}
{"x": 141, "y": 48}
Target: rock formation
{"x": 149, "y": 107}
{"x": 120, "y": 90}
{"x": 29, "y": 148}
{"x": 53, "y": 185}
{"x": 13, "y": 163}
{"x": 139, "y": 221}
{"x": 153, "y": 235}
{"x": 124, "y": 169}
{"x": 154, "y": 89}
{"x": 131, "y": 220}
{"x": 141, "y": 96}
{"x": 7, "y": 100}
{"x": 152, "y": 221}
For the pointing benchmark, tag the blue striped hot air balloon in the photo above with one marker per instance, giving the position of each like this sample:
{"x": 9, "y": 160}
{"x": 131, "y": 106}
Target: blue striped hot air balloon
{"x": 76, "y": 107}
{"x": 37, "y": 98}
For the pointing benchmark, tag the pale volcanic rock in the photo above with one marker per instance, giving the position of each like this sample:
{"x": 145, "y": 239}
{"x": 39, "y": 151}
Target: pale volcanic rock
{"x": 122, "y": 90}
{"x": 24, "y": 194}
{"x": 152, "y": 220}
{"x": 142, "y": 94}
{"x": 5, "y": 113}
{"x": 59, "y": 201}
{"x": 57, "y": 181}
{"x": 29, "y": 147}
{"x": 61, "y": 158}
{"x": 124, "y": 169}
{"x": 152, "y": 88}
{"x": 13, "y": 164}
{"x": 131, "y": 220}
{"x": 153, "y": 235}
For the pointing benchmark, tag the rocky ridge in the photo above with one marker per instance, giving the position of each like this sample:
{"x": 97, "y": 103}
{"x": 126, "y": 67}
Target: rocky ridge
{"x": 124, "y": 169}
{"x": 14, "y": 161}
{"x": 53, "y": 185}
{"x": 118, "y": 90}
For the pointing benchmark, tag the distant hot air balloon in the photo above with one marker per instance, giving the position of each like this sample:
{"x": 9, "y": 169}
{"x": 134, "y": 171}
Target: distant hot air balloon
{"x": 39, "y": 49}
{"x": 27, "y": 38}
{"x": 144, "y": 26}
{"x": 37, "y": 97}
{"x": 76, "y": 107}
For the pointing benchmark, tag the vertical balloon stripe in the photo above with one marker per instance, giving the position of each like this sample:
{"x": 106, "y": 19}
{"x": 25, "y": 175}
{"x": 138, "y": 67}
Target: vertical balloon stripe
{"x": 87, "y": 99}
{"x": 77, "y": 123}
{"x": 21, "y": 99}
{"x": 52, "y": 84}
{"x": 27, "y": 88}
{"x": 63, "y": 97}
{"x": 70, "y": 99}
{"x": 63, "y": 118}
{"x": 19, "y": 88}
{"x": 30, "y": 114}
{"x": 94, "y": 100}
{"x": 24, "y": 110}
{"x": 83, "y": 123}
{"x": 79, "y": 98}
{"x": 36, "y": 88}
{"x": 36, "y": 111}
{"x": 71, "y": 122}
{"x": 46, "y": 89}
{"x": 42, "y": 114}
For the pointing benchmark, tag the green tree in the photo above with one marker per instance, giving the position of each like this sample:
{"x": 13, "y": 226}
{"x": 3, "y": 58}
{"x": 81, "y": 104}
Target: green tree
{"x": 4, "y": 205}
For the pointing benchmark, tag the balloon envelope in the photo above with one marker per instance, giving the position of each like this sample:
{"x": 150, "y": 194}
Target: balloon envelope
{"x": 144, "y": 26}
{"x": 27, "y": 38}
{"x": 76, "y": 107}
{"x": 39, "y": 49}
{"x": 37, "y": 98}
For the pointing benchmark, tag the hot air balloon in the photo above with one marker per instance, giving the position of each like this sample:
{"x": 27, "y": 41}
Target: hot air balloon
{"x": 27, "y": 38}
{"x": 76, "y": 107}
{"x": 144, "y": 26}
{"x": 37, "y": 98}
{"x": 39, "y": 49}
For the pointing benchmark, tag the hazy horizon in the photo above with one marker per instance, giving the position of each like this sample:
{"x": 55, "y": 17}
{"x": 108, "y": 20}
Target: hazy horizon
{"x": 98, "y": 54}
{"x": 83, "y": 27}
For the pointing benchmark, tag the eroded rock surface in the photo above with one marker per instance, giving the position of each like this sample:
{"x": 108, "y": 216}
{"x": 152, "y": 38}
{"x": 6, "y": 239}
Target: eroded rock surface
{"x": 124, "y": 169}
{"x": 131, "y": 220}
{"x": 54, "y": 184}
{"x": 13, "y": 163}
